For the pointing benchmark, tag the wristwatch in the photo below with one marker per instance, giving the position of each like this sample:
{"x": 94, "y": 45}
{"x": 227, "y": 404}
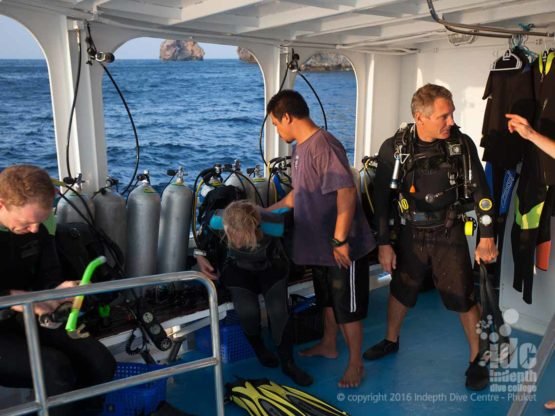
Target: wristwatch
{"x": 197, "y": 253}
{"x": 336, "y": 243}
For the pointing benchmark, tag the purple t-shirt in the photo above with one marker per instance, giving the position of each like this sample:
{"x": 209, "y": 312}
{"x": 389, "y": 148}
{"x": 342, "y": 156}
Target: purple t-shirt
{"x": 319, "y": 168}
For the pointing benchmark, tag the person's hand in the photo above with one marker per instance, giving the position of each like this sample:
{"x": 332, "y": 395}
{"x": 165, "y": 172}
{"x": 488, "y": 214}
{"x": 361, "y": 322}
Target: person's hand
{"x": 68, "y": 283}
{"x": 206, "y": 268}
{"x": 341, "y": 255}
{"x": 64, "y": 285}
{"x": 40, "y": 308}
{"x": 520, "y": 125}
{"x": 486, "y": 251}
{"x": 387, "y": 258}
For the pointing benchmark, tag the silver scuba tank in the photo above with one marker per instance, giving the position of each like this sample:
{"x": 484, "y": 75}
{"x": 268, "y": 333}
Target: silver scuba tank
{"x": 175, "y": 225}
{"x": 237, "y": 179}
{"x": 111, "y": 214}
{"x": 143, "y": 218}
{"x": 262, "y": 185}
{"x": 74, "y": 205}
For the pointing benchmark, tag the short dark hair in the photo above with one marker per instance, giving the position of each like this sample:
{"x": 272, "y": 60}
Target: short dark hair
{"x": 23, "y": 184}
{"x": 424, "y": 98}
{"x": 290, "y": 102}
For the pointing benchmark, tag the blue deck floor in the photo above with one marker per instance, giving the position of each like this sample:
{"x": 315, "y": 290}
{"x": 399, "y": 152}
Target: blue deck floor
{"x": 426, "y": 376}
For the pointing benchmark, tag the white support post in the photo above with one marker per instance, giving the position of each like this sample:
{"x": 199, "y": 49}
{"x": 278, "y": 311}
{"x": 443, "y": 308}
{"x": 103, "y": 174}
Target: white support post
{"x": 273, "y": 66}
{"x": 378, "y": 93}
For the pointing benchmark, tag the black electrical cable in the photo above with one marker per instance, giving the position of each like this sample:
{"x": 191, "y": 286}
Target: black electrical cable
{"x": 317, "y": 98}
{"x": 135, "y": 134}
{"x": 72, "y": 111}
{"x": 253, "y": 187}
{"x": 260, "y": 147}
{"x": 168, "y": 183}
{"x": 92, "y": 51}
{"x": 290, "y": 67}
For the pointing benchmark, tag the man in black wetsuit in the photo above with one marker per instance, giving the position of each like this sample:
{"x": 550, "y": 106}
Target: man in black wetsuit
{"x": 434, "y": 170}
{"x": 28, "y": 262}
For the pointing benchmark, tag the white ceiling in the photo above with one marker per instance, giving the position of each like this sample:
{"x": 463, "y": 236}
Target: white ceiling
{"x": 364, "y": 25}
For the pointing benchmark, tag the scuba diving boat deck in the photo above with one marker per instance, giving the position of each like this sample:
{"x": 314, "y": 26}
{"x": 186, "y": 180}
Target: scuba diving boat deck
{"x": 426, "y": 376}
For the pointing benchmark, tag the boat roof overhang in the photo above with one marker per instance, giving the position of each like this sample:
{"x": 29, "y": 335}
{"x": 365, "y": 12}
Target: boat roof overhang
{"x": 388, "y": 26}
{"x": 387, "y": 42}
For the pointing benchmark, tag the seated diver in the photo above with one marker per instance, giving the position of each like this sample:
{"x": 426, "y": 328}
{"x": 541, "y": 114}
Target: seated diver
{"x": 29, "y": 262}
{"x": 256, "y": 263}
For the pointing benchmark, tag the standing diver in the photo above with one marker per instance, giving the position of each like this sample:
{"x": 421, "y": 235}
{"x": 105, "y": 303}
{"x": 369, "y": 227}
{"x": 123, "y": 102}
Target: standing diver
{"x": 256, "y": 263}
{"x": 434, "y": 172}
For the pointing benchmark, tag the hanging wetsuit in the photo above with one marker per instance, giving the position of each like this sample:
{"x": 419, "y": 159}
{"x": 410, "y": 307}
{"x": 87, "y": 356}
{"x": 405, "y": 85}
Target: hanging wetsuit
{"x": 507, "y": 91}
{"x": 534, "y": 197}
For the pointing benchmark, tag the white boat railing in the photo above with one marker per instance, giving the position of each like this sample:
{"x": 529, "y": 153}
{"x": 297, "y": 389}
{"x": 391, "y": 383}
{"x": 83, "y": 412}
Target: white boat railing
{"x": 42, "y": 402}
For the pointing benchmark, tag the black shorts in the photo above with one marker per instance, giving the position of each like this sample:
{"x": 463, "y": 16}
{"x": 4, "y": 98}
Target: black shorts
{"x": 344, "y": 290}
{"x": 443, "y": 253}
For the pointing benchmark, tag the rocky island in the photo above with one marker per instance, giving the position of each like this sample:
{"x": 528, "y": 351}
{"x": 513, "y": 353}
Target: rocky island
{"x": 317, "y": 62}
{"x": 181, "y": 50}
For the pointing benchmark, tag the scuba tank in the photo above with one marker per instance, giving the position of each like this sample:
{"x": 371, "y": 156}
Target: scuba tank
{"x": 366, "y": 183}
{"x": 143, "y": 218}
{"x": 210, "y": 179}
{"x": 110, "y": 214}
{"x": 261, "y": 184}
{"x": 280, "y": 181}
{"x": 237, "y": 179}
{"x": 175, "y": 224}
{"x": 74, "y": 204}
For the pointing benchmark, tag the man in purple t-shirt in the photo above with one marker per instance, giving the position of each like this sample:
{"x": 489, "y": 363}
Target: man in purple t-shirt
{"x": 331, "y": 233}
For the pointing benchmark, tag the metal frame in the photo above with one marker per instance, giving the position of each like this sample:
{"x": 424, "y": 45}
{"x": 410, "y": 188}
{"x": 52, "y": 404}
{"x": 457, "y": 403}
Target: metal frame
{"x": 477, "y": 30}
{"x": 42, "y": 402}
{"x": 543, "y": 356}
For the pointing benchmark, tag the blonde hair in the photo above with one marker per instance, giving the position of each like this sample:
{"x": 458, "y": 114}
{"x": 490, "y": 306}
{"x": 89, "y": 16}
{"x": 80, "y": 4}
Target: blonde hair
{"x": 23, "y": 184}
{"x": 241, "y": 221}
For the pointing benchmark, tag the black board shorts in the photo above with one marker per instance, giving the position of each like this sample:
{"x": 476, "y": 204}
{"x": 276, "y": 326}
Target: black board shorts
{"x": 344, "y": 290}
{"x": 444, "y": 253}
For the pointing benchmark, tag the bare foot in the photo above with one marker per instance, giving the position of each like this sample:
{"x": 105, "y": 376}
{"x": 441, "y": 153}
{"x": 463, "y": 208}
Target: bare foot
{"x": 320, "y": 350}
{"x": 352, "y": 377}
{"x": 550, "y": 405}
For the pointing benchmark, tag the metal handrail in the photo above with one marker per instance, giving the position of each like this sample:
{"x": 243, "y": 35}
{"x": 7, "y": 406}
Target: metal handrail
{"x": 477, "y": 29}
{"x": 42, "y": 402}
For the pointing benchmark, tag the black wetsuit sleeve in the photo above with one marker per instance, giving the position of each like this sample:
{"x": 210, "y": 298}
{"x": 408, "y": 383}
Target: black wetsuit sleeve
{"x": 382, "y": 191}
{"x": 481, "y": 188}
{"x": 49, "y": 270}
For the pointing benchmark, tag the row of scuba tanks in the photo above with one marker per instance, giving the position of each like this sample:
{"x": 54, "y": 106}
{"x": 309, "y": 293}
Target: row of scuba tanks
{"x": 153, "y": 232}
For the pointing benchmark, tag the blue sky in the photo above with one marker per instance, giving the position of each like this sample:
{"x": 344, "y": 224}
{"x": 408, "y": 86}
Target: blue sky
{"x": 16, "y": 42}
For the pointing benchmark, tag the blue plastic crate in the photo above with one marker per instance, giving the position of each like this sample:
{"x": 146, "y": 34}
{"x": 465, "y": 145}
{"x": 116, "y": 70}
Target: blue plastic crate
{"x": 233, "y": 343}
{"x": 137, "y": 400}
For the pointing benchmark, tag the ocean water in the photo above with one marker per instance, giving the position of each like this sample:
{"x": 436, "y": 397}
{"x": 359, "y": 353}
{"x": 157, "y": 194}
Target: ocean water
{"x": 191, "y": 114}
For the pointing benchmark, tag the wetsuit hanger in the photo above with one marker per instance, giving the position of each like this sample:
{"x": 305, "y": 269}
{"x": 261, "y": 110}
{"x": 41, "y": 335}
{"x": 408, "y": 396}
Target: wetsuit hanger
{"x": 510, "y": 60}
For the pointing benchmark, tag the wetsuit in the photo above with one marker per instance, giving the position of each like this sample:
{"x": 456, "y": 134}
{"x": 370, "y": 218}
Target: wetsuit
{"x": 535, "y": 193}
{"x": 29, "y": 262}
{"x": 507, "y": 90}
{"x": 246, "y": 273}
{"x": 430, "y": 199}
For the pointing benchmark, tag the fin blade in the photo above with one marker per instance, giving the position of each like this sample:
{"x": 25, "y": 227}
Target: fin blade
{"x": 258, "y": 403}
{"x": 308, "y": 404}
